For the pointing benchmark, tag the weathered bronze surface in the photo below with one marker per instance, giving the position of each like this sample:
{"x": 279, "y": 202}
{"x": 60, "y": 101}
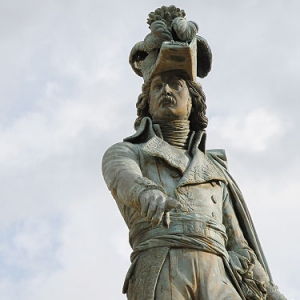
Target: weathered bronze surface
{"x": 190, "y": 229}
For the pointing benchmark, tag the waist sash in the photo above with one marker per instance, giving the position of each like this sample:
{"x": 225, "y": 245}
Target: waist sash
{"x": 142, "y": 232}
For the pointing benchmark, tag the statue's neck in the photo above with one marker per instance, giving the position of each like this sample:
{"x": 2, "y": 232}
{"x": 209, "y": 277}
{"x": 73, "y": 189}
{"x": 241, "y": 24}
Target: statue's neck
{"x": 176, "y": 133}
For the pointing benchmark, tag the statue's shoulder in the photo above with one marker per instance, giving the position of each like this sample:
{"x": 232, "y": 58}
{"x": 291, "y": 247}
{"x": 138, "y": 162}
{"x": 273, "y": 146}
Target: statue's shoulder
{"x": 218, "y": 156}
{"x": 143, "y": 133}
{"x": 136, "y": 140}
{"x": 125, "y": 149}
{"x": 133, "y": 142}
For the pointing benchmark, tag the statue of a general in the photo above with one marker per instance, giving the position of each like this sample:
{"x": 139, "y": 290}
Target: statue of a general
{"x": 190, "y": 229}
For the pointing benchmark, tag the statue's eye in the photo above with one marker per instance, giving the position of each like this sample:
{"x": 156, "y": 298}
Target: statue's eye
{"x": 176, "y": 85}
{"x": 157, "y": 86}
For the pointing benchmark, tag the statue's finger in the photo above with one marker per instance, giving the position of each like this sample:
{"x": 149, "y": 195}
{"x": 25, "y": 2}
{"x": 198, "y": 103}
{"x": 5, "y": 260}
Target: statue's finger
{"x": 144, "y": 207}
{"x": 157, "y": 219}
{"x": 151, "y": 210}
{"x": 166, "y": 219}
{"x": 172, "y": 203}
{"x": 160, "y": 209}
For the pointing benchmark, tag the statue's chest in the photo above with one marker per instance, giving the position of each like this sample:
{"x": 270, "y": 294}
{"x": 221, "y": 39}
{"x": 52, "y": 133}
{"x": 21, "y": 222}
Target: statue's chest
{"x": 205, "y": 197}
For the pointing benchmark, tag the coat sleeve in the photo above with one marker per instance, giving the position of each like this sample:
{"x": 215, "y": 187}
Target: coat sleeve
{"x": 242, "y": 259}
{"x": 236, "y": 239}
{"x": 123, "y": 176}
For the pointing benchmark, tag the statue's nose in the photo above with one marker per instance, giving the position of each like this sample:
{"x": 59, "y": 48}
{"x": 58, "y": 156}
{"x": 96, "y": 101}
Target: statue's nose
{"x": 166, "y": 89}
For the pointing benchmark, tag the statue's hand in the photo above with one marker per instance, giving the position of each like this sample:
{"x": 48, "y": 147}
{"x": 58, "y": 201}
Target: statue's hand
{"x": 273, "y": 293}
{"x": 155, "y": 204}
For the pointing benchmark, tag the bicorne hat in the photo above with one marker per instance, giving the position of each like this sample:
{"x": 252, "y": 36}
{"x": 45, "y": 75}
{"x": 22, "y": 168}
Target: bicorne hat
{"x": 172, "y": 44}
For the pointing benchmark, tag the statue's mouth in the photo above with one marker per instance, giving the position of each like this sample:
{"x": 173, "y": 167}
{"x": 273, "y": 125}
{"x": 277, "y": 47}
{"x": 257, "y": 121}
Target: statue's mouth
{"x": 166, "y": 100}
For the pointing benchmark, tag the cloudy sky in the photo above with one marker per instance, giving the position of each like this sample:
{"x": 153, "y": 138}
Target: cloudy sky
{"x": 67, "y": 93}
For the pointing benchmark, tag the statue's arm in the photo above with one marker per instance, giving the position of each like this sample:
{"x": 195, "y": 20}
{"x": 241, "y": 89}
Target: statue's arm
{"x": 243, "y": 260}
{"x": 236, "y": 239}
{"x": 123, "y": 176}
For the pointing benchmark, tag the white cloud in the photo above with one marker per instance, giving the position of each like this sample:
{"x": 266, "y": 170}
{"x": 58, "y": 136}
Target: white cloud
{"x": 36, "y": 135}
{"x": 252, "y": 132}
{"x": 28, "y": 250}
{"x": 86, "y": 255}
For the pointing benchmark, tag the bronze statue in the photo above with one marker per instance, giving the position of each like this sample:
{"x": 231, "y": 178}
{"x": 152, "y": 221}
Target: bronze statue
{"x": 190, "y": 230}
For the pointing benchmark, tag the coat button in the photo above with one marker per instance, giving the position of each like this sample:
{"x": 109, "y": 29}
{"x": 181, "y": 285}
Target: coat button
{"x": 174, "y": 174}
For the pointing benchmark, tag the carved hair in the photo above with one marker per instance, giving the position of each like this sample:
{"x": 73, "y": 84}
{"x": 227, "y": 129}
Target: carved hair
{"x": 198, "y": 119}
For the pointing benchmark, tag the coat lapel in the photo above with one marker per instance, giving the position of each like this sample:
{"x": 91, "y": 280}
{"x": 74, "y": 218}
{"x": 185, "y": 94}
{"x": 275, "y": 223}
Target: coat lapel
{"x": 200, "y": 170}
{"x": 173, "y": 156}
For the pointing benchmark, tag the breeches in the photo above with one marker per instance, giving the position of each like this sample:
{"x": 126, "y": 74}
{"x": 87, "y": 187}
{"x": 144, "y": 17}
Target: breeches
{"x": 194, "y": 275}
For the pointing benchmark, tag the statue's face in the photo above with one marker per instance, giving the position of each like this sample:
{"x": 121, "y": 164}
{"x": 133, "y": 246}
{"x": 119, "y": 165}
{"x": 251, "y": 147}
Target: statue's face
{"x": 169, "y": 97}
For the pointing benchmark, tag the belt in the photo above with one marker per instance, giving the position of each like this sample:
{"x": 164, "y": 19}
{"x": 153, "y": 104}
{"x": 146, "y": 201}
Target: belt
{"x": 190, "y": 228}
